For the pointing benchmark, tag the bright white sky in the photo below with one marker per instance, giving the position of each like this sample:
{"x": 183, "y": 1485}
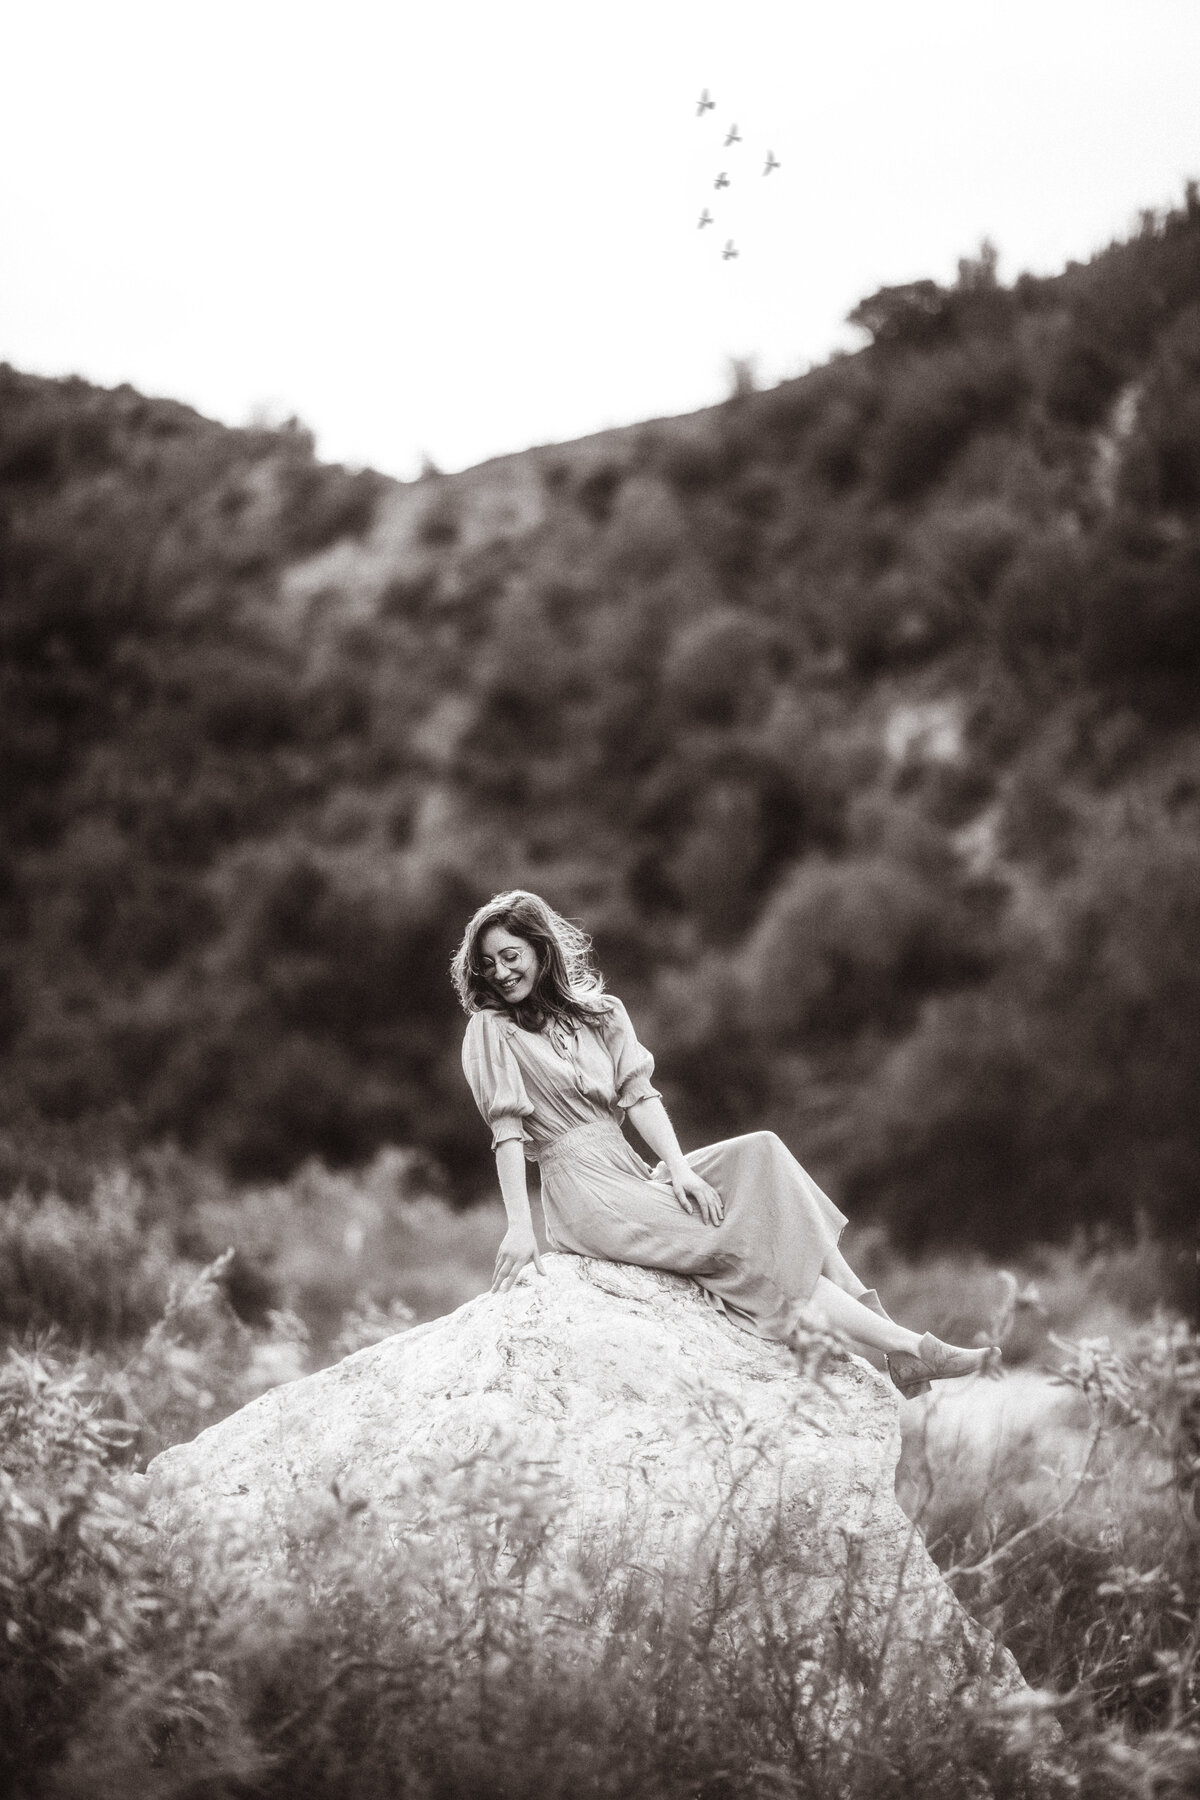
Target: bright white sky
{"x": 455, "y": 229}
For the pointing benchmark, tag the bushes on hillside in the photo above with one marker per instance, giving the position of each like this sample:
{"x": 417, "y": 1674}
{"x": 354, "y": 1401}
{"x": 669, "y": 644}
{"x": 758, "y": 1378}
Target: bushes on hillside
{"x": 718, "y": 670}
{"x": 1081, "y": 379}
{"x": 933, "y": 407}
{"x": 1062, "y": 1092}
{"x": 244, "y": 820}
{"x": 1161, "y": 461}
{"x": 845, "y": 944}
{"x": 714, "y": 828}
{"x": 1038, "y": 607}
{"x": 916, "y": 313}
{"x": 1141, "y": 627}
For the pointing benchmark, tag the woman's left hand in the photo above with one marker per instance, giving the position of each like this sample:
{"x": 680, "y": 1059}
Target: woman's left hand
{"x": 695, "y": 1194}
{"x": 518, "y": 1248}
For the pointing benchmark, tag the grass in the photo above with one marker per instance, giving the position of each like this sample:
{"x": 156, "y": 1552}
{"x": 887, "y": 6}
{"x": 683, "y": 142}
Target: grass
{"x": 1061, "y": 1504}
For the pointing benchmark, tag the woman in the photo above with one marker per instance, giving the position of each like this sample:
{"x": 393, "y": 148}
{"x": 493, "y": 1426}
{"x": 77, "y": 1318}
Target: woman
{"x": 554, "y": 1064}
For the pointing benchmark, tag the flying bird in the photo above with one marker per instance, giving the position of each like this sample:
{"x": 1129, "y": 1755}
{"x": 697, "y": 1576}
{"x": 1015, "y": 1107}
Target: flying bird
{"x": 722, "y": 180}
{"x": 704, "y": 104}
{"x": 732, "y": 136}
{"x": 772, "y": 162}
{"x": 728, "y": 252}
{"x": 706, "y": 218}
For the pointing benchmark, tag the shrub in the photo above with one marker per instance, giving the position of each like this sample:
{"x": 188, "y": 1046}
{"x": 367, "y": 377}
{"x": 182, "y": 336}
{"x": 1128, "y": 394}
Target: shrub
{"x": 647, "y": 538}
{"x": 1060, "y": 1093}
{"x": 718, "y": 669}
{"x": 1039, "y": 825}
{"x": 596, "y": 491}
{"x": 932, "y": 409}
{"x": 846, "y": 944}
{"x": 918, "y": 312}
{"x": 942, "y": 1133}
{"x": 715, "y": 829}
{"x": 968, "y": 549}
{"x": 98, "y": 1269}
{"x": 441, "y": 519}
{"x": 693, "y": 463}
{"x": 888, "y": 623}
{"x": 1096, "y": 1595}
{"x": 835, "y": 445}
{"x": 1141, "y": 626}
{"x": 786, "y": 413}
{"x": 1039, "y": 603}
{"x": 70, "y": 1619}
{"x": 1082, "y": 379}
{"x": 326, "y": 503}
{"x": 1161, "y": 458}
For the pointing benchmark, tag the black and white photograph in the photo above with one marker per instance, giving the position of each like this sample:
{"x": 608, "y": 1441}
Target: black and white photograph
{"x": 600, "y": 900}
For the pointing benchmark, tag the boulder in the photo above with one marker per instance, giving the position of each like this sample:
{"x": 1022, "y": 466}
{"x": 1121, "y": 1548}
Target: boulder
{"x": 601, "y": 1421}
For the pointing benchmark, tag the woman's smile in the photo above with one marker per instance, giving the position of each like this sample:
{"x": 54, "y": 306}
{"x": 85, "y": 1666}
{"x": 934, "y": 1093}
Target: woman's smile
{"x": 508, "y": 964}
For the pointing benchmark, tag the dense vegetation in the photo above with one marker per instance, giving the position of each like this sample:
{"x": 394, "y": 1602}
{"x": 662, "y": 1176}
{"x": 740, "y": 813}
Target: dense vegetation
{"x": 1064, "y": 1515}
{"x": 859, "y": 718}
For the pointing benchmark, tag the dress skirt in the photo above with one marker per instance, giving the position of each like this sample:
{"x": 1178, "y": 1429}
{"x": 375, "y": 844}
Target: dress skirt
{"x": 761, "y": 1260}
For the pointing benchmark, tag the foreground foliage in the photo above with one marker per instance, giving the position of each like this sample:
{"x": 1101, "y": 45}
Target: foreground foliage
{"x": 370, "y": 1670}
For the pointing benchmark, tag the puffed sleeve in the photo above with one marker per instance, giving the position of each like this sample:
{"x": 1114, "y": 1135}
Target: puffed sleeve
{"x": 494, "y": 1077}
{"x": 633, "y": 1064}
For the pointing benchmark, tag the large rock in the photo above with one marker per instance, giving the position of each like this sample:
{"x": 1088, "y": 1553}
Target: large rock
{"x": 664, "y": 1437}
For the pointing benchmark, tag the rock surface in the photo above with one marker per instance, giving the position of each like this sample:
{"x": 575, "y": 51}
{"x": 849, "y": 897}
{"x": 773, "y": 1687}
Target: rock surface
{"x": 666, "y": 1437}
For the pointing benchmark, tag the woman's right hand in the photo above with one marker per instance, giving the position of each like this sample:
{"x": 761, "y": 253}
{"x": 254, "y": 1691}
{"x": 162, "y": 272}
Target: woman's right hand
{"x": 518, "y": 1247}
{"x": 695, "y": 1194}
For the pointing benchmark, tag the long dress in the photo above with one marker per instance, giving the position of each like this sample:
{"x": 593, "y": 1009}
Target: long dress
{"x": 563, "y": 1094}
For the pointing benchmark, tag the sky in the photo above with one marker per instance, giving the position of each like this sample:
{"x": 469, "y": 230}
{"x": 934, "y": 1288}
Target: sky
{"x": 438, "y": 233}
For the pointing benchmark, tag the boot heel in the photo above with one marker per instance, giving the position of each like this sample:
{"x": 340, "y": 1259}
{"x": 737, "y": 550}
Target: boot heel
{"x": 909, "y": 1382}
{"x": 908, "y": 1375}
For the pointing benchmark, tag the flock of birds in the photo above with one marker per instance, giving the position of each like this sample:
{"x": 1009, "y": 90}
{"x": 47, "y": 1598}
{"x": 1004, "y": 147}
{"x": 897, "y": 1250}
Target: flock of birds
{"x": 723, "y": 180}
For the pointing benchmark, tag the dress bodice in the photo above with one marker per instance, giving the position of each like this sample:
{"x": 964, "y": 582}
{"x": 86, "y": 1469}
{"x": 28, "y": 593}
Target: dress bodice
{"x": 534, "y": 1086}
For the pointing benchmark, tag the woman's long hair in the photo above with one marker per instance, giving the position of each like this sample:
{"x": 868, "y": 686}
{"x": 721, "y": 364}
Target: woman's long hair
{"x": 568, "y": 987}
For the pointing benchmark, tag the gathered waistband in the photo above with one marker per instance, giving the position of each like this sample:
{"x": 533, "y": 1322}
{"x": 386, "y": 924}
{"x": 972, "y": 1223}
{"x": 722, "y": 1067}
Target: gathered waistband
{"x": 592, "y": 1131}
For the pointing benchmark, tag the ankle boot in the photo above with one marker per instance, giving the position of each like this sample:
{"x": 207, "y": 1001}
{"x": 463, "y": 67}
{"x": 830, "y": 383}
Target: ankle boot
{"x": 937, "y": 1361}
{"x": 870, "y": 1299}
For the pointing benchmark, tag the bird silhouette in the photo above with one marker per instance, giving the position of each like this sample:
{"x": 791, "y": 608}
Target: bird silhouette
{"x": 704, "y": 104}
{"x": 729, "y": 252}
{"x": 706, "y": 218}
{"x": 732, "y": 136}
{"x": 772, "y": 162}
{"x": 722, "y": 180}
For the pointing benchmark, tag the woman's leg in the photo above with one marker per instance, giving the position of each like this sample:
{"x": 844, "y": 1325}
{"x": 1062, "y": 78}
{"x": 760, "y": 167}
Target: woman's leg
{"x": 839, "y": 1311}
{"x": 835, "y": 1268}
{"x": 913, "y": 1362}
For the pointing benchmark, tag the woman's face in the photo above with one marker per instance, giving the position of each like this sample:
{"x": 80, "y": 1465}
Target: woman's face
{"x": 508, "y": 963}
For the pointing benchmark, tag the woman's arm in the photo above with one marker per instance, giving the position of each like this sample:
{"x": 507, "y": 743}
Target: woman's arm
{"x": 691, "y": 1190}
{"x": 519, "y": 1246}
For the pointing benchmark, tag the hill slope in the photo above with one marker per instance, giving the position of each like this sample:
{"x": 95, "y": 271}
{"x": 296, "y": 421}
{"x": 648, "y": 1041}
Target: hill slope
{"x": 859, "y": 719}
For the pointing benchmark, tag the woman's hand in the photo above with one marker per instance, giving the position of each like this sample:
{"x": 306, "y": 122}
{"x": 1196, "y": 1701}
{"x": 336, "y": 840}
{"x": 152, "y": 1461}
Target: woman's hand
{"x": 695, "y": 1194}
{"x": 517, "y": 1248}
{"x": 691, "y": 1190}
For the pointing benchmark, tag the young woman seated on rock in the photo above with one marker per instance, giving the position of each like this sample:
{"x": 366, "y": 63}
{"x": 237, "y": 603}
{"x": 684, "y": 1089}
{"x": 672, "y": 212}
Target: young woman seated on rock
{"x": 554, "y": 1064}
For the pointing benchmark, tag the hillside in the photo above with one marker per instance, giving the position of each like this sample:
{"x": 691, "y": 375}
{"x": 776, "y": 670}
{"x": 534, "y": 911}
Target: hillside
{"x": 859, "y": 718}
